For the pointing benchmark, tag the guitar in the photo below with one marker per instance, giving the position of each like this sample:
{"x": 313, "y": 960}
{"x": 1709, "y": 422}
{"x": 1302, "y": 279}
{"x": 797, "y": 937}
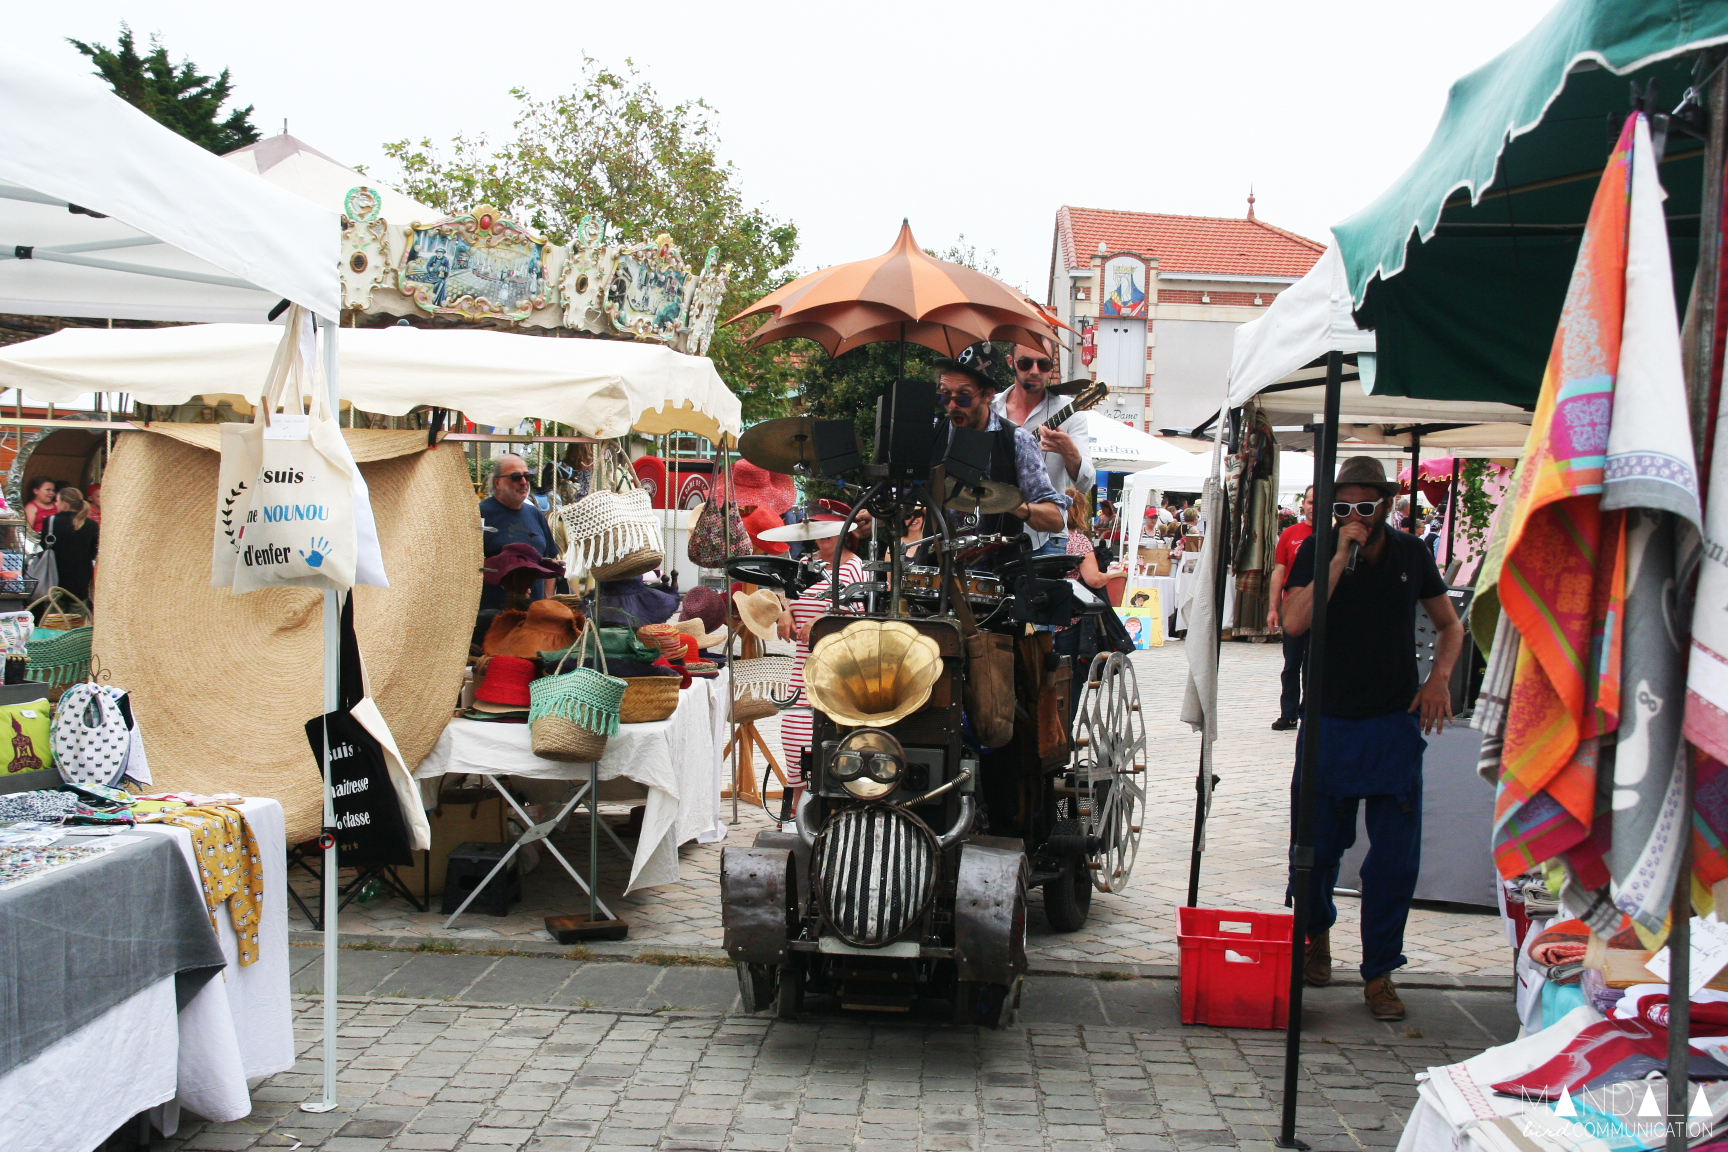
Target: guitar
{"x": 1088, "y": 397}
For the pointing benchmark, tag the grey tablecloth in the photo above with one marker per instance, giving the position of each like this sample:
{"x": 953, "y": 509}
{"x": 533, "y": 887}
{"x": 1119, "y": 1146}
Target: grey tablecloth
{"x": 78, "y": 941}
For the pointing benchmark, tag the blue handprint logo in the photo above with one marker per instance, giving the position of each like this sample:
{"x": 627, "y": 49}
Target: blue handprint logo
{"x": 320, "y": 549}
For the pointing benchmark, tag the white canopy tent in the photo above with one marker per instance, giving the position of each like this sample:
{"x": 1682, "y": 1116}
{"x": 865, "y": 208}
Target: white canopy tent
{"x": 599, "y": 387}
{"x": 1295, "y": 473}
{"x": 290, "y": 163}
{"x": 1306, "y": 320}
{"x": 1117, "y": 447}
{"x": 106, "y": 213}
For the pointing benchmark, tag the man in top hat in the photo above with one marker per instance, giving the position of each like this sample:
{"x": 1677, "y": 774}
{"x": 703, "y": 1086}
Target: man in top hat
{"x": 1373, "y": 714}
{"x": 965, "y": 390}
{"x": 1067, "y": 447}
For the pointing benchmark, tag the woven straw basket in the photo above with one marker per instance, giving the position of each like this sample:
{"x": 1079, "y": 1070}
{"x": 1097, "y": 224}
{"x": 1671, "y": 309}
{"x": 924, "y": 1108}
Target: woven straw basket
{"x": 556, "y": 738}
{"x": 225, "y": 683}
{"x": 748, "y": 708}
{"x": 649, "y": 698}
{"x": 630, "y": 564}
{"x": 572, "y": 715}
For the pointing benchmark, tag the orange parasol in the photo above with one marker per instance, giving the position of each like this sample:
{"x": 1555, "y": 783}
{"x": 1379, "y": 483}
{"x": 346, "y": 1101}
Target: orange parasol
{"x": 903, "y": 294}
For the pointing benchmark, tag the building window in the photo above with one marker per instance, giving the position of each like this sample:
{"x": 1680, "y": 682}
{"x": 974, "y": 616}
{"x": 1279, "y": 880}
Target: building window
{"x": 1079, "y": 293}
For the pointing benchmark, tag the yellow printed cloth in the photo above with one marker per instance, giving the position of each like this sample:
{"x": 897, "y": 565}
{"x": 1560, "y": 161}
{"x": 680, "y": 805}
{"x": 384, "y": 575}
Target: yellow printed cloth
{"x": 229, "y": 867}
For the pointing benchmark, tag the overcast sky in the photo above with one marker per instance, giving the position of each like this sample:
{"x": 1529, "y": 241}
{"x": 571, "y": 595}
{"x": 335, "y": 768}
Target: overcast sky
{"x": 977, "y": 119}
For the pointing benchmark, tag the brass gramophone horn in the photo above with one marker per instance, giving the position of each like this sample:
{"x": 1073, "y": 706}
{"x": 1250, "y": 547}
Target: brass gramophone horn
{"x": 873, "y": 673}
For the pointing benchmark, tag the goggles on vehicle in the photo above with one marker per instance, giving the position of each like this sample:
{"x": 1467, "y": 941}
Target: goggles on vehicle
{"x": 868, "y": 763}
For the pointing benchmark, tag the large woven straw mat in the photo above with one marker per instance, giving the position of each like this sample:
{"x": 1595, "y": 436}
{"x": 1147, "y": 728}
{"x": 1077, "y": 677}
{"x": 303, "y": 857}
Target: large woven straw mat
{"x": 223, "y": 685}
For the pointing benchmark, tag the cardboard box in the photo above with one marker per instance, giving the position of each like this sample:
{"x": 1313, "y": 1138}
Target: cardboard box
{"x": 474, "y": 815}
{"x": 1155, "y": 560}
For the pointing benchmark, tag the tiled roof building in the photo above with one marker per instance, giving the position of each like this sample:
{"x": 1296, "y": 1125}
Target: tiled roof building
{"x": 1156, "y": 299}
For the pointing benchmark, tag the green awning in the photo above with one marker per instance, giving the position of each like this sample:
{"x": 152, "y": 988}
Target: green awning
{"x": 1461, "y": 266}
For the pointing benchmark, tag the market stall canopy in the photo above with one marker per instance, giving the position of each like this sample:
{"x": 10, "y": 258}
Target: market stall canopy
{"x": 598, "y": 387}
{"x": 1304, "y": 322}
{"x": 1295, "y": 473}
{"x": 290, "y": 163}
{"x": 1116, "y": 447}
{"x": 1498, "y": 199}
{"x": 106, "y": 213}
{"x": 903, "y": 294}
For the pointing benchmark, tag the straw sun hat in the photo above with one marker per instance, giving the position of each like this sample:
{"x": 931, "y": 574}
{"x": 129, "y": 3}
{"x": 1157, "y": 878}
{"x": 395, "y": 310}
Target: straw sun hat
{"x": 760, "y": 611}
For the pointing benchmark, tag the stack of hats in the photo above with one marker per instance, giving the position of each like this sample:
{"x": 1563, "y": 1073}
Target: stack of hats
{"x": 503, "y": 692}
{"x": 666, "y": 637}
{"x": 547, "y": 626}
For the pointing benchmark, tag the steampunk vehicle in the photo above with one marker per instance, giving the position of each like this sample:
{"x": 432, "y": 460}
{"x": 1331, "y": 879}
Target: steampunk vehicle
{"x": 906, "y": 871}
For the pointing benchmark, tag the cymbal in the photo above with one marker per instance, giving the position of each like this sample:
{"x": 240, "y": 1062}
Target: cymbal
{"x": 781, "y": 445}
{"x": 986, "y": 498}
{"x": 805, "y": 530}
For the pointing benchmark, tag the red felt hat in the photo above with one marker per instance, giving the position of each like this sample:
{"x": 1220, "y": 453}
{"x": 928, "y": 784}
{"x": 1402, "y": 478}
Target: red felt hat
{"x": 830, "y": 510}
{"x": 517, "y": 556}
{"x": 504, "y": 688}
{"x": 759, "y": 521}
{"x": 771, "y": 490}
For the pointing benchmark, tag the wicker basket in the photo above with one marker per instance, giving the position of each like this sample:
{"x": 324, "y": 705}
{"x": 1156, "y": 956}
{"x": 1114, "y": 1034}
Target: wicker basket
{"x": 748, "y": 708}
{"x": 555, "y": 738}
{"x": 648, "y": 698}
{"x": 630, "y": 564}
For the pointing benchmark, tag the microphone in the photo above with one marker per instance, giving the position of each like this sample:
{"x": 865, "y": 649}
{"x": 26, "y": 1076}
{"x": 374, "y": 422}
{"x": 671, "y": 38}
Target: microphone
{"x": 1350, "y": 564}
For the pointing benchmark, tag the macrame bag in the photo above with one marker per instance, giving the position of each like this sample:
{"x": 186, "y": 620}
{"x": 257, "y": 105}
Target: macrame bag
{"x": 612, "y": 531}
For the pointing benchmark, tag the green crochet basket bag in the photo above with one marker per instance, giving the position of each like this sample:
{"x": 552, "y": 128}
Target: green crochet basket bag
{"x": 571, "y": 715}
{"x": 60, "y": 658}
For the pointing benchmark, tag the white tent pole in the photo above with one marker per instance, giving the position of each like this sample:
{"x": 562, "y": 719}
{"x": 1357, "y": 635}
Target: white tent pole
{"x": 332, "y": 884}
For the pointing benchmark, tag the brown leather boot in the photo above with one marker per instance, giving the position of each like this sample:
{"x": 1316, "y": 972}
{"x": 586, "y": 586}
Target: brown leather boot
{"x": 1382, "y": 998}
{"x": 1317, "y": 967}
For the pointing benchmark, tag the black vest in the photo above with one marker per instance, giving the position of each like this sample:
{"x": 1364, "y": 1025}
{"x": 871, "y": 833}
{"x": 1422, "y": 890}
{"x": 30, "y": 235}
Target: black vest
{"x": 1004, "y": 469}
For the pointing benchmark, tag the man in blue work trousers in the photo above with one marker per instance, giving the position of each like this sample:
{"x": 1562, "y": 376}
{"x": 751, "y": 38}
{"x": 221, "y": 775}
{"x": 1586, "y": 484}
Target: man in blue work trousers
{"x": 1373, "y": 717}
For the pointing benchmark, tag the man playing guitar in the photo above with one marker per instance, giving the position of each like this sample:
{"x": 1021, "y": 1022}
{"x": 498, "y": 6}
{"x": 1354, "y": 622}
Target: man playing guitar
{"x": 1066, "y": 445}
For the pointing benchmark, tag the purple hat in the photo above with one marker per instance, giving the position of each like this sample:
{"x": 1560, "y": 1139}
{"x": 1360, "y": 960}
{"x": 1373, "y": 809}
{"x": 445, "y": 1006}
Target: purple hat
{"x": 514, "y": 557}
{"x": 706, "y": 605}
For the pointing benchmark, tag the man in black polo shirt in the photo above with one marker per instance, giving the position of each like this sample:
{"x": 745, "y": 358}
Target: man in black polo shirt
{"x": 1374, "y": 715}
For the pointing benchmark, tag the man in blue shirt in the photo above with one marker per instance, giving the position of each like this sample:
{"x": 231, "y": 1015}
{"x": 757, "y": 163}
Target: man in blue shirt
{"x": 511, "y": 517}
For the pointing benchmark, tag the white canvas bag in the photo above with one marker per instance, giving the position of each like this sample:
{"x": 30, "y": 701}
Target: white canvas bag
{"x": 292, "y": 507}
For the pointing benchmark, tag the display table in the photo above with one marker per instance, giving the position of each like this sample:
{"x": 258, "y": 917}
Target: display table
{"x": 678, "y": 760}
{"x": 144, "y": 1050}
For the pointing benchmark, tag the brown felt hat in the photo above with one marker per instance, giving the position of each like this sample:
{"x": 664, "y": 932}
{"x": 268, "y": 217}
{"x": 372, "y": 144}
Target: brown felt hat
{"x": 1364, "y": 472}
{"x": 548, "y": 626}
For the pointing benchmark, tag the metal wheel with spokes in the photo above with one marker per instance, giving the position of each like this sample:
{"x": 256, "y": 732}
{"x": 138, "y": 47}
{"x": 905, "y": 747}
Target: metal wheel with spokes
{"x": 1108, "y": 779}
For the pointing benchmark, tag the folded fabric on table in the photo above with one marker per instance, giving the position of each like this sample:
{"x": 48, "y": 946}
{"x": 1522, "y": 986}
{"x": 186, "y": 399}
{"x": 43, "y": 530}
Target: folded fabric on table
{"x": 1650, "y": 1002}
{"x": 1462, "y": 1092}
{"x": 1605, "y": 1053}
{"x": 1560, "y": 949}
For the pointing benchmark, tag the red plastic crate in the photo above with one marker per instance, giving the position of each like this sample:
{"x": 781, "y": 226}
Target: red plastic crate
{"x": 1235, "y": 967}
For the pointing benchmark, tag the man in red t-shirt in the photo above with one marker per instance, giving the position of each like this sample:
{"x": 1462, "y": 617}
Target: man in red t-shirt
{"x": 1295, "y": 647}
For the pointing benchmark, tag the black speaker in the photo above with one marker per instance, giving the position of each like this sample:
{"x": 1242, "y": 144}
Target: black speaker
{"x": 968, "y": 459}
{"x": 905, "y": 420}
{"x": 837, "y": 449}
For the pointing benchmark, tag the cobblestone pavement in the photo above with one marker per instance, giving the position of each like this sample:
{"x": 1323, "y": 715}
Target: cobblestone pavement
{"x": 1243, "y": 867}
{"x": 616, "y": 1055}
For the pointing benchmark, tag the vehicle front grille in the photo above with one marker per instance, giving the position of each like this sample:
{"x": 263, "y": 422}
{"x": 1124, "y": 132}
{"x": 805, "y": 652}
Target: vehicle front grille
{"x": 875, "y": 873}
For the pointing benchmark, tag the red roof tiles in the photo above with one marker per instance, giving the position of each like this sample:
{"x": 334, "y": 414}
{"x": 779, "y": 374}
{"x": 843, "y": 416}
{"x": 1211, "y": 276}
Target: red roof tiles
{"x": 1231, "y": 246}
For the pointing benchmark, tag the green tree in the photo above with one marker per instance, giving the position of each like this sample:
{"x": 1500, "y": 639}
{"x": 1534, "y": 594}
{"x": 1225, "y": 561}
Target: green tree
{"x": 178, "y": 96}
{"x": 612, "y": 148}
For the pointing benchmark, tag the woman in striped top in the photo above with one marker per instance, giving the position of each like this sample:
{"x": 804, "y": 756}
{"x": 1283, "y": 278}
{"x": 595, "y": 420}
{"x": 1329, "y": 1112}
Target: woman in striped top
{"x": 796, "y": 724}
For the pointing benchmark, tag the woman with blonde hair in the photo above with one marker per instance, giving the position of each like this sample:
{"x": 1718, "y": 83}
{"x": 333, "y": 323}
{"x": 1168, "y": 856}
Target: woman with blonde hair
{"x": 72, "y": 536}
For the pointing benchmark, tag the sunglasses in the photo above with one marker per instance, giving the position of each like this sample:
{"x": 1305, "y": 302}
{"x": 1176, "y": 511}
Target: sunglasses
{"x": 513, "y": 477}
{"x": 956, "y": 399}
{"x": 1364, "y": 508}
{"x": 1025, "y": 364}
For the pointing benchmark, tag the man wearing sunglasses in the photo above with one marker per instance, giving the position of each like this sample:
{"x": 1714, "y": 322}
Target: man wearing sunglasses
{"x": 1373, "y": 714}
{"x": 513, "y": 518}
{"x": 1067, "y": 447}
{"x": 965, "y": 387}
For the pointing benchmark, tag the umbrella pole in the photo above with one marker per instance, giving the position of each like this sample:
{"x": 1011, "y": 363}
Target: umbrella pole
{"x": 1302, "y": 855}
{"x": 1452, "y": 516}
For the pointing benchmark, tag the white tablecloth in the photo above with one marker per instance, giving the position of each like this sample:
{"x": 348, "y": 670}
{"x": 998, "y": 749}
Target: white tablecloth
{"x": 678, "y": 760}
{"x": 139, "y": 1054}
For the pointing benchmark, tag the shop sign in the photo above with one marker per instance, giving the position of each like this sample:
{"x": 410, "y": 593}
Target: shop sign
{"x": 1124, "y": 292}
